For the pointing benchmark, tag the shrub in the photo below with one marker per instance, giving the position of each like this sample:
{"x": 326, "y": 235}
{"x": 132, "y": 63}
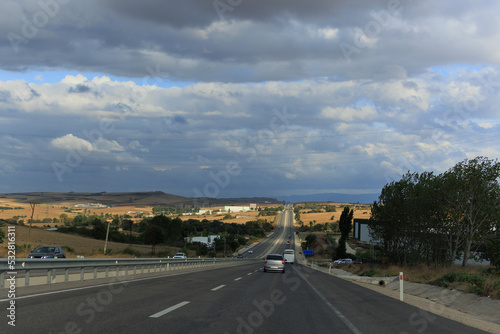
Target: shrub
{"x": 68, "y": 249}
{"x": 163, "y": 253}
{"x": 131, "y": 251}
{"x": 369, "y": 273}
{"x": 476, "y": 282}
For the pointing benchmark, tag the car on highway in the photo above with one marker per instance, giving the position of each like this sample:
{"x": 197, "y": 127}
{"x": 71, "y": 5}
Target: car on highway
{"x": 274, "y": 262}
{"x": 250, "y": 251}
{"x": 47, "y": 252}
{"x": 342, "y": 261}
{"x": 180, "y": 256}
{"x": 239, "y": 256}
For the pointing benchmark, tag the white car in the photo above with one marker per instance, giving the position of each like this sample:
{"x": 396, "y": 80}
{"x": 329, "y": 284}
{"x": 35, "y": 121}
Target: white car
{"x": 180, "y": 256}
{"x": 250, "y": 251}
{"x": 342, "y": 261}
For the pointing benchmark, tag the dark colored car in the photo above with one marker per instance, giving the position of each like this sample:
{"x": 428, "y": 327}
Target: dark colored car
{"x": 47, "y": 252}
{"x": 274, "y": 262}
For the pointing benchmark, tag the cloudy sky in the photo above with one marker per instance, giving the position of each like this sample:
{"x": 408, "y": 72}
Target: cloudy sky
{"x": 232, "y": 98}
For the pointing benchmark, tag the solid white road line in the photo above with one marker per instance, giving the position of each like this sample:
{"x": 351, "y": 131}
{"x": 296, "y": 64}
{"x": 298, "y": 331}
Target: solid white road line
{"x": 217, "y": 288}
{"x": 349, "y": 324}
{"x": 170, "y": 309}
{"x": 249, "y": 274}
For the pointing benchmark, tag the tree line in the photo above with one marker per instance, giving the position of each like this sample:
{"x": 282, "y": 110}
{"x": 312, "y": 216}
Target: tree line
{"x": 437, "y": 219}
{"x": 166, "y": 230}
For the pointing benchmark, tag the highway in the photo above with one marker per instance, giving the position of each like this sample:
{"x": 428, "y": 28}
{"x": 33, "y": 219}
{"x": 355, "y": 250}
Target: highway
{"x": 237, "y": 299}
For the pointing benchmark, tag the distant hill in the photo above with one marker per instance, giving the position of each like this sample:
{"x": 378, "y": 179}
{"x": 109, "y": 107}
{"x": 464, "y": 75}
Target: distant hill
{"x": 112, "y": 199}
{"x": 152, "y": 198}
{"x": 159, "y": 198}
{"x": 331, "y": 197}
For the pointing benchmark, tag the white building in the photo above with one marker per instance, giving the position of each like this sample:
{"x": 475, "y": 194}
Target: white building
{"x": 208, "y": 241}
{"x": 235, "y": 208}
{"x": 205, "y": 211}
{"x": 91, "y": 205}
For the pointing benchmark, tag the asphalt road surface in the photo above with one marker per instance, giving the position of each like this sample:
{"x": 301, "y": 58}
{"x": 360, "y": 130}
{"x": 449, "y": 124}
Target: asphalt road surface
{"x": 239, "y": 299}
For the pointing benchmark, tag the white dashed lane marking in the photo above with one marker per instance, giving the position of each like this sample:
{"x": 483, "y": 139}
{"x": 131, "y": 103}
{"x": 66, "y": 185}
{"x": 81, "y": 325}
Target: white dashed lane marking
{"x": 170, "y": 309}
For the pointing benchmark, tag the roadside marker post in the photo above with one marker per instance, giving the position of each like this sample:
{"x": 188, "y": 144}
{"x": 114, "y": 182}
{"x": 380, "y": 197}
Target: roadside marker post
{"x": 330, "y": 269}
{"x": 401, "y": 286}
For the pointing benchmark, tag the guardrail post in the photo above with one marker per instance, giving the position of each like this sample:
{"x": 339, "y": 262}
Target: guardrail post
{"x": 82, "y": 274}
{"x": 142, "y": 269}
{"x": 168, "y": 266}
{"x": 107, "y": 272}
{"x": 2, "y": 280}
{"x": 117, "y": 271}
{"x": 126, "y": 270}
{"x": 49, "y": 273}
{"x": 27, "y": 278}
{"x": 95, "y": 273}
{"x": 135, "y": 270}
{"x": 66, "y": 275}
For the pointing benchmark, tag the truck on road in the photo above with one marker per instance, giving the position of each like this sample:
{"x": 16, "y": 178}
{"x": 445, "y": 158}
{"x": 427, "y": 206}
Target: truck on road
{"x": 289, "y": 256}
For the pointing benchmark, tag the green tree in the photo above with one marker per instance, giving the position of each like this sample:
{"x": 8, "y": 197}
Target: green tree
{"x": 473, "y": 199}
{"x": 427, "y": 218}
{"x": 493, "y": 252}
{"x": 345, "y": 222}
{"x": 63, "y": 218}
{"x": 2, "y": 233}
{"x": 345, "y": 226}
{"x": 341, "y": 251}
{"x": 310, "y": 238}
{"x": 152, "y": 235}
{"x": 128, "y": 224}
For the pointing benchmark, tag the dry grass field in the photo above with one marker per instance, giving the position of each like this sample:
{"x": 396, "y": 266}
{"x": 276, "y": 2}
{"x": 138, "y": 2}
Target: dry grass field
{"x": 50, "y": 210}
{"x": 362, "y": 211}
{"x": 87, "y": 247}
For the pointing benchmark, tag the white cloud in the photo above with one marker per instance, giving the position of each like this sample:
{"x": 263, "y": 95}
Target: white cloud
{"x": 71, "y": 142}
{"x": 349, "y": 114}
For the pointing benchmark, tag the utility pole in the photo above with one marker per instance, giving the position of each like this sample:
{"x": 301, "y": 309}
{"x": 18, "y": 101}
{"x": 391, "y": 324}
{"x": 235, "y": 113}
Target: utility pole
{"x": 106, "y": 243}
{"x": 32, "y": 205}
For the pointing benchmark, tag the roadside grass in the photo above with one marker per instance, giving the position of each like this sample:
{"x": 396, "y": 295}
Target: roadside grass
{"x": 479, "y": 280}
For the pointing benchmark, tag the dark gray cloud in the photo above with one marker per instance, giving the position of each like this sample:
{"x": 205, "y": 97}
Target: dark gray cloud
{"x": 79, "y": 89}
{"x": 253, "y": 41}
{"x": 303, "y": 96}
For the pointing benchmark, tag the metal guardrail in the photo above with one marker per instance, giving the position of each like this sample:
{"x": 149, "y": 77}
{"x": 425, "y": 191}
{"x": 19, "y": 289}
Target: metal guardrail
{"x": 53, "y": 266}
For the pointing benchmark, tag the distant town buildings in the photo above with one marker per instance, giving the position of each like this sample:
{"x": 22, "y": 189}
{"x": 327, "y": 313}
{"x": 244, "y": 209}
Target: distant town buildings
{"x": 92, "y": 205}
